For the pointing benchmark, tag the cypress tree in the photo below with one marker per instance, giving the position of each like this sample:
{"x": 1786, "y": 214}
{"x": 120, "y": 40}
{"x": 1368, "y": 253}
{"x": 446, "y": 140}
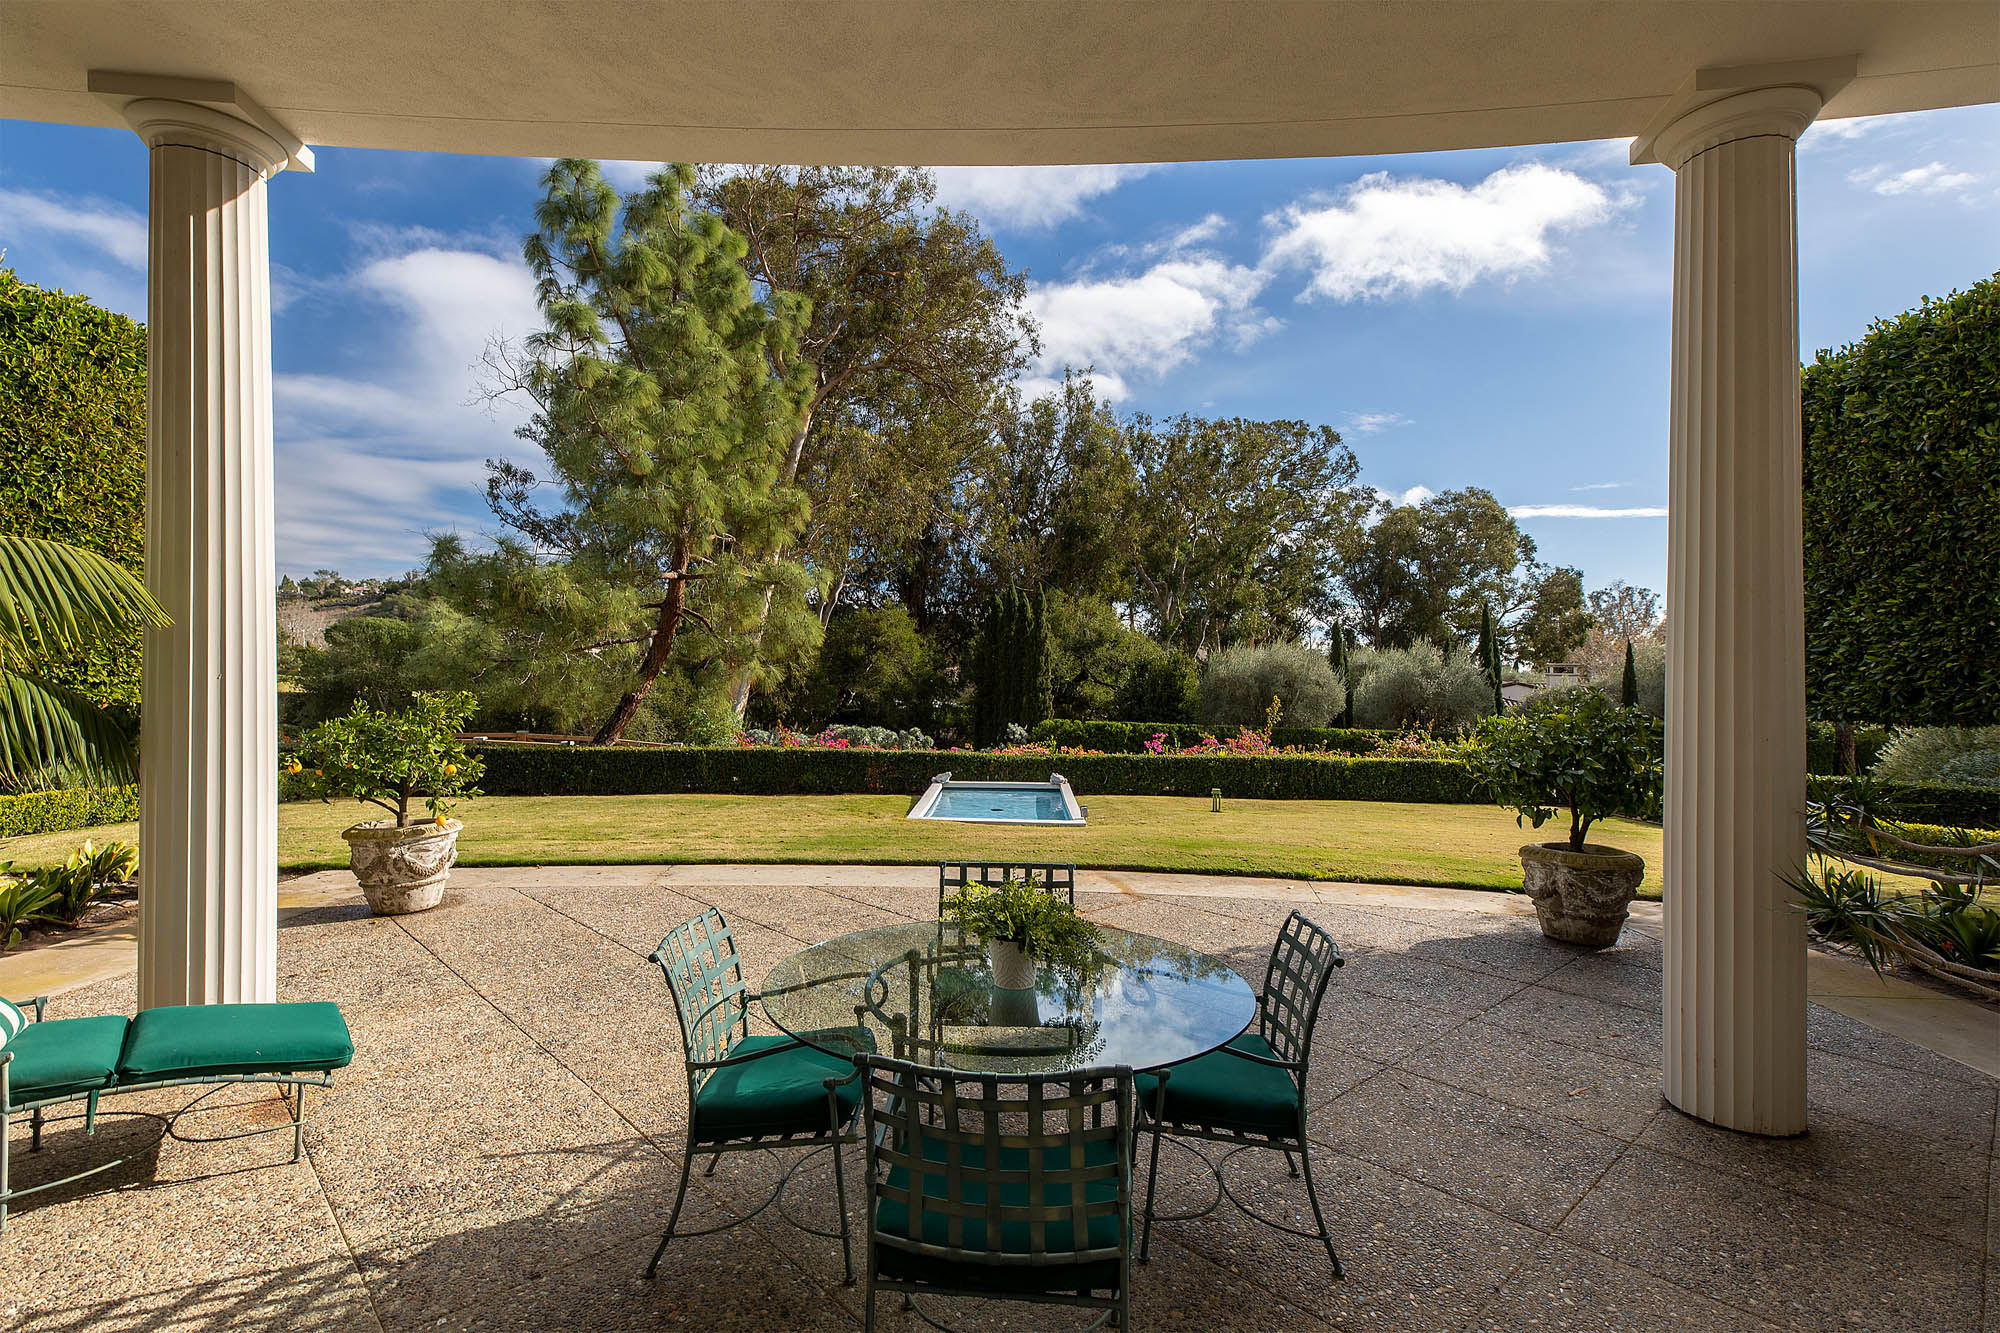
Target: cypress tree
{"x": 1489, "y": 656}
{"x": 1013, "y": 672}
{"x": 1628, "y": 689}
{"x": 1336, "y": 656}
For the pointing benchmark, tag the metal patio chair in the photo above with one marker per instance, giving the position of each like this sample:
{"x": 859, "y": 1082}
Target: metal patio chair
{"x": 751, "y": 1093}
{"x": 1252, "y": 1092}
{"x": 1048, "y": 876}
{"x": 1010, "y": 1187}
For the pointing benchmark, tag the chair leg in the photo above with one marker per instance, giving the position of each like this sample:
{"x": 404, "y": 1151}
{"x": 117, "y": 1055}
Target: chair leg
{"x": 1312, "y": 1193}
{"x": 687, "y": 1165}
{"x": 840, "y": 1200}
{"x": 713, "y": 1162}
{"x": 298, "y": 1100}
{"x": 35, "y": 1130}
{"x": 1291, "y": 1166}
{"x": 90, "y": 1115}
{"x": 868, "y": 1309}
{"x": 1152, "y": 1181}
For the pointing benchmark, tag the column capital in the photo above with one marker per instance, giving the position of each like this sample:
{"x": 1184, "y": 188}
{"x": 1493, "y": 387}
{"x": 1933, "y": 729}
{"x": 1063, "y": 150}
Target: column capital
{"x": 163, "y": 123}
{"x": 1784, "y": 111}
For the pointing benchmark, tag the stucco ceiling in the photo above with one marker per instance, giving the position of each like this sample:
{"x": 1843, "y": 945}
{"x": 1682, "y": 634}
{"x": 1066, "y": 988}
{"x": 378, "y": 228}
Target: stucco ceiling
{"x": 977, "y": 81}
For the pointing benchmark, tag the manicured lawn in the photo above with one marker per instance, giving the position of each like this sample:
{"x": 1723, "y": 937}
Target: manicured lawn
{"x": 1378, "y": 841}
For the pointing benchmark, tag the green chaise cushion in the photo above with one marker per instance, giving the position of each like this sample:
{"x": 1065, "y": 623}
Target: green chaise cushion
{"x": 781, "y": 1091}
{"x": 218, "y": 1040}
{"x": 892, "y": 1218}
{"x": 63, "y": 1057}
{"x": 1223, "y": 1091}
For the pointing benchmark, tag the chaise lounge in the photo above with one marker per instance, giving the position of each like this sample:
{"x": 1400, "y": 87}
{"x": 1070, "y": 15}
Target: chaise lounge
{"x": 52, "y": 1062}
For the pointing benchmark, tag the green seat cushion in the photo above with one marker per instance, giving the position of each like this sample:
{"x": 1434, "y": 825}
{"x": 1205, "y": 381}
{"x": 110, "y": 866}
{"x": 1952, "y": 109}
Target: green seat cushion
{"x": 219, "y": 1040}
{"x": 63, "y": 1057}
{"x": 1223, "y": 1091}
{"x": 781, "y": 1091}
{"x": 892, "y": 1218}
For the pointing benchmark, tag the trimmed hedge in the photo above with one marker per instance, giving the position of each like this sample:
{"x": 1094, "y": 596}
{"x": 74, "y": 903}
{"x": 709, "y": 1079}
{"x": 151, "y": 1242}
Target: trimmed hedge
{"x": 1918, "y": 802}
{"x": 72, "y": 807}
{"x": 1131, "y": 737}
{"x": 538, "y": 770}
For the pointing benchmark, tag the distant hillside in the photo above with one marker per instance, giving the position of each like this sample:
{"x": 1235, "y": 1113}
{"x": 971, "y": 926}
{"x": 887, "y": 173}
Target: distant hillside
{"x": 304, "y": 620}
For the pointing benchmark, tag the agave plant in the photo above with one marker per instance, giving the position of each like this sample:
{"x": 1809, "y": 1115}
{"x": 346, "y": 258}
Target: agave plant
{"x": 55, "y": 600}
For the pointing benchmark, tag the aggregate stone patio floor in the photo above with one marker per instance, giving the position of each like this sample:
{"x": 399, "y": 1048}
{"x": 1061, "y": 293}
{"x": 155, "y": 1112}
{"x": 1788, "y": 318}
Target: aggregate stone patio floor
{"x": 1496, "y": 1153}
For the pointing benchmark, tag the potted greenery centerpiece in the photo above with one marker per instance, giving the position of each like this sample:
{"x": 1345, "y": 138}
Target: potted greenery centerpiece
{"x": 1575, "y": 751}
{"x": 390, "y": 760}
{"x": 1021, "y": 925}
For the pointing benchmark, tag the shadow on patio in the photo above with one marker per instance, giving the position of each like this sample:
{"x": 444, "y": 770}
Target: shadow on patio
{"x": 1497, "y": 1152}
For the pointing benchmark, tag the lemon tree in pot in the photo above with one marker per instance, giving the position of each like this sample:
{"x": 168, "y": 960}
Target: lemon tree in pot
{"x": 1022, "y": 925}
{"x": 1575, "y": 751}
{"x": 396, "y": 760}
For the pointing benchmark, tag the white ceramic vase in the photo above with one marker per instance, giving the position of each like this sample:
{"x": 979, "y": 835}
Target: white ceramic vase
{"x": 1012, "y": 969}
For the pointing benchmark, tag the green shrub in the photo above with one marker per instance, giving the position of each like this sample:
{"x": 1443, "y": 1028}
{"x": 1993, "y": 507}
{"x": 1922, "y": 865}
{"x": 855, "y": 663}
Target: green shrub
{"x": 1131, "y": 737}
{"x": 1418, "y": 686}
{"x": 1922, "y": 754}
{"x": 71, "y": 807}
{"x": 73, "y": 450}
{"x": 1901, "y": 445}
{"x": 550, "y": 770}
{"x": 1162, "y": 684}
{"x": 1577, "y": 752}
{"x": 1238, "y": 684}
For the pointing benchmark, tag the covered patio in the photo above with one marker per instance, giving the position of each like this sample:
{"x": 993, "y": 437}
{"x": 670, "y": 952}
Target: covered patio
{"x": 1496, "y": 1152}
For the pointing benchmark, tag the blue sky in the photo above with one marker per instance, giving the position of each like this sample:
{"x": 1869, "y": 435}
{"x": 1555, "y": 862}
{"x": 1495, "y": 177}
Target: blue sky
{"x": 1493, "y": 318}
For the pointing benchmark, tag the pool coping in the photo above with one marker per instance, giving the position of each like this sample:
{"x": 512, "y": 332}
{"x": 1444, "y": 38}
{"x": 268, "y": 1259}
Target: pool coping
{"x": 1056, "y": 782}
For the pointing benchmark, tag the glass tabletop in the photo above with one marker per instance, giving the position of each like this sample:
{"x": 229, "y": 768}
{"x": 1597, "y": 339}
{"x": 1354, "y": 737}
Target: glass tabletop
{"x": 924, "y": 992}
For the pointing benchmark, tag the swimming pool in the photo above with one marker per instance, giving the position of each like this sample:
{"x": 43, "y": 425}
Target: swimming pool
{"x": 1050, "y": 802}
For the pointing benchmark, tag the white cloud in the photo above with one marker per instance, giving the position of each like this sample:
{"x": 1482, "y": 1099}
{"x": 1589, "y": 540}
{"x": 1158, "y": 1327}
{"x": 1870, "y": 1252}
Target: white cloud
{"x": 1584, "y": 511}
{"x": 1384, "y": 237}
{"x": 370, "y": 460}
{"x": 1030, "y": 198}
{"x": 1600, "y": 486}
{"x": 1143, "y": 323}
{"x": 1829, "y": 133}
{"x": 1415, "y": 495}
{"x": 1372, "y": 423}
{"x": 116, "y": 230}
{"x": 1932, "y": 178}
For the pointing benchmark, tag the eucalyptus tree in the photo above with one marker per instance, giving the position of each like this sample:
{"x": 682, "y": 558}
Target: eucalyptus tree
{"x": 667, "y": 394}
{"x": 915, "y": 332}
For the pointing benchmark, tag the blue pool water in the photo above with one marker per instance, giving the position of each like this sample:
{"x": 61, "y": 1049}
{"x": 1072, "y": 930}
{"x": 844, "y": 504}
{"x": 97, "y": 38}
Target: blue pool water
{"x": 956, "y": 802}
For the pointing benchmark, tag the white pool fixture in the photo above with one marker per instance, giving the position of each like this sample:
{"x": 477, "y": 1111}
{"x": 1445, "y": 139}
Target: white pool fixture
{"x": 1044, "y": 803}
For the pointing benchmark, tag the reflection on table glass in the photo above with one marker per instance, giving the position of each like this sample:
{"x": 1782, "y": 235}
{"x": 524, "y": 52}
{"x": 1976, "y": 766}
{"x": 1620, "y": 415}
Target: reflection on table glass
{"x": 925, "y": 992}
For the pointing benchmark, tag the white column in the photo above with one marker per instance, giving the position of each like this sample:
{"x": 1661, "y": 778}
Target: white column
{"x": 208, "y": 814}
{"x": 1735, "y": 761}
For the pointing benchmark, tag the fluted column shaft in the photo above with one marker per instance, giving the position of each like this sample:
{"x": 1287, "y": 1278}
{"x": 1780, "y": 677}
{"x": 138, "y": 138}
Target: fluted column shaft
{"x": 1735, "y": 761}
{"x": 208, "y": 785}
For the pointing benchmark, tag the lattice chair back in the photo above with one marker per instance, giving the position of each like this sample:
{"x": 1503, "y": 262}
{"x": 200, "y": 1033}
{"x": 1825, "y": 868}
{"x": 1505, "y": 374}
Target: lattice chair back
{"x": 1014, "y": 1170}
{"x": 1302, "y": 962}
{"x": 1050, "y": 877}
{"x": 706, "y": 977}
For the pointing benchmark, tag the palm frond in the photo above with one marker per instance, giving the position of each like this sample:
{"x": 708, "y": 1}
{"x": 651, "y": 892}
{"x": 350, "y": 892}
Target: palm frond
{"x": 55, "y": 597}
{"x": 50, "y": 736}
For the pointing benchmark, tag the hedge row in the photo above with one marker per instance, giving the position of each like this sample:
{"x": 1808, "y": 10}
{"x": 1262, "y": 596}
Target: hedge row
{"x": 1918, "y": 802}
{"x": 1822, "y": 757}
{"x": 1131, "y": 737}
{"x": 73, "y": 807}
{"x": 540, "y": 770}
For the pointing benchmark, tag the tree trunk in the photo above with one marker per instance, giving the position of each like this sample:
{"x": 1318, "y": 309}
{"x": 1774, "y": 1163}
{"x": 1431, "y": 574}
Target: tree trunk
{"x": 1844, "y": 757}
{"x": 655, "y": 660}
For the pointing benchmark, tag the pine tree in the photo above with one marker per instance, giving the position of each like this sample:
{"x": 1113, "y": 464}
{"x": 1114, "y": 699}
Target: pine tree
{"x": 1628, "y": 689}
{"x": 666, "y": 395}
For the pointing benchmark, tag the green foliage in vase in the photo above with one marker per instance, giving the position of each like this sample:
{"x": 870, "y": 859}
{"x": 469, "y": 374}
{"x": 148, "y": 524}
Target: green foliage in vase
{"x": 1576, "y": 751}
{"x": 1046, "y": 927}
{"x": 389, "y": 759}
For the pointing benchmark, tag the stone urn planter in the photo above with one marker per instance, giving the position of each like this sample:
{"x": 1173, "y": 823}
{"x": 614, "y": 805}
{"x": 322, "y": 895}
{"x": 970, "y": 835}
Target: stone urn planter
{"x": 402, "y": 869}
{"x": 1581, "y": 897}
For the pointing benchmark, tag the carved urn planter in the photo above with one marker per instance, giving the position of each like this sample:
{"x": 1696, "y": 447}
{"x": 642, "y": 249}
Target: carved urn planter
{"x": 402, "y": 869}
{"x": 1581, "y": 897}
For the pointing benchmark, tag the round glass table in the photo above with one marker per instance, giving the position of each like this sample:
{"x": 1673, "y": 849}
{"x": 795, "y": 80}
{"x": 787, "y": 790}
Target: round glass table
{"x": 925, "y": 992}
